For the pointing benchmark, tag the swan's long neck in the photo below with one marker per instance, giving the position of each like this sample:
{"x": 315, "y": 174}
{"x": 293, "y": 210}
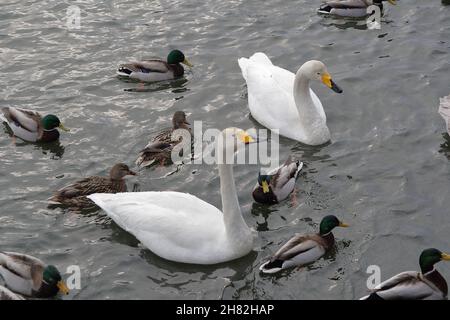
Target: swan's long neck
{"x": 312, "y": 121}
{"x": 303, "y": 100}
{"x": 234, "y": 223}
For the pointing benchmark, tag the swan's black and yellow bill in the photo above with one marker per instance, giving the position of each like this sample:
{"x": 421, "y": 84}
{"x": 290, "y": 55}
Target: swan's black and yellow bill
{"x": 186, "y": 62}
{"x": 62, "y": 287}
{"x": 326, "y": 79}
{"x": 61, "y": 126}
{"x": 445, "y": 256}
{"x": 344, "y": 225}
{"x": 393, "y": 2}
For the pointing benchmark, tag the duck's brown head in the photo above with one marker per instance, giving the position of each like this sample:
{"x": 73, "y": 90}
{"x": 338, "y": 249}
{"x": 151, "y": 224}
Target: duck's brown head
{"x": 179, "y": 120}
{"x": 119, "y": 171}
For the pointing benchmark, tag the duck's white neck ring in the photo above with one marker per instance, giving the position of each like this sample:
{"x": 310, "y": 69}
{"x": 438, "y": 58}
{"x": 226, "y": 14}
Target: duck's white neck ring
{"x": 429, "y": 272}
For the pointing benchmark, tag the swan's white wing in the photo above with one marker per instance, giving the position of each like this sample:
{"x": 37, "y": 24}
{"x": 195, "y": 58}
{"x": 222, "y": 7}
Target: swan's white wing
{"x": 269, "y": 103}
{"x": 444, "y": 110}
{"x": 176, "y": 226}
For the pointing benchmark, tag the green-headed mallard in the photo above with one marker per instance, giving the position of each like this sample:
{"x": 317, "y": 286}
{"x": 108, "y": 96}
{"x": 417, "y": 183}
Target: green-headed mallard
{"x": 350, "y": 8}
{"x": 155, "y": 69}
{"x": 6, "y": 294}
{"x": 304, "y": 249}
{"x": 29, "y": 276}
{"x": 160, "y": 148}
{"x": 412, "y": 285}
{"x": 75, "y": 194}
{"x": 278, "y": 184}
{"x": 30, "y": 125}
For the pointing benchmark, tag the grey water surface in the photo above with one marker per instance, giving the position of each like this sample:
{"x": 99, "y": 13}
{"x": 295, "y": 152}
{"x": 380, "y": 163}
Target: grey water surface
{"x": 386, "y": 171}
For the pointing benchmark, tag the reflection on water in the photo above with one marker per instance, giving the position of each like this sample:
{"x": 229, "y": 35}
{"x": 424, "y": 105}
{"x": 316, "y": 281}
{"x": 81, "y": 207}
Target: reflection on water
{"x": 445, "y": 145}
{"x": 177, "y": 85}
{"x": 55, "y": 149}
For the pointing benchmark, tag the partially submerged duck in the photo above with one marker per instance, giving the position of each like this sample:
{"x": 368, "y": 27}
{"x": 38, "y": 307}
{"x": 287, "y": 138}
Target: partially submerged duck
{"x": 278, "y": 184}
{"x": 74, "y": 195}
{"x": 30, "y": 125}
{"x": 428, "y": 284}
{"x": 159, "y": 149}
{"x": 350, "y": 8}
{"x": 6, "y": 294}
{"x": 30, "y": 276}
{"x": 155, "y": 69}
{"x": 304, "y": 249}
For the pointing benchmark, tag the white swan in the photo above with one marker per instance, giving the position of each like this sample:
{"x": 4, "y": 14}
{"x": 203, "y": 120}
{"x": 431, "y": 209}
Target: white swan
{"x": 444, "y": 111}
{"x": 282, "y": 101}
{"x": 181, "y": 227}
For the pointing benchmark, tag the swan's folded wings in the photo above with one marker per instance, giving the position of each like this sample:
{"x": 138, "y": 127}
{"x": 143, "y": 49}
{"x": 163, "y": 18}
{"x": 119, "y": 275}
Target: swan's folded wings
{"x": 444, "y": 110}
{"x": 157, "y": 217}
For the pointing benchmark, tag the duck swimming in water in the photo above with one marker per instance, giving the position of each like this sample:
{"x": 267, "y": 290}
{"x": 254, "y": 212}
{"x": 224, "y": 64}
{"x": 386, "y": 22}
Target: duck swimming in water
{"x": 155, "y": 69}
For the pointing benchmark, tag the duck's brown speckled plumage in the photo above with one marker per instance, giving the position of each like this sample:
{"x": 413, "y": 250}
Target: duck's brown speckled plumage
{"x": 159, "y": 150}
{"x": 75, "y": 194}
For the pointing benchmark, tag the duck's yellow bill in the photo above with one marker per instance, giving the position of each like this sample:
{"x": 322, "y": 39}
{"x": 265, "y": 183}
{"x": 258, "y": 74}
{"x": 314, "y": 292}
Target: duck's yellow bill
{"x": 344, "y": 225}
{"x": 265, "y": 187}
{"x": 61, "y": 126}
{"x": 246, "y": 138}
{"x": 186, "y": 62}
{"x": 445, "y": 256}
{"x": 62, "y": 287}
{"x": 393, "y": 2}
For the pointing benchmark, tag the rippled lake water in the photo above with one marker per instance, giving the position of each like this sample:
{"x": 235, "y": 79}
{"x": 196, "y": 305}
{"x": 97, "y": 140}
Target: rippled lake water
{"x": 386, "y": 170}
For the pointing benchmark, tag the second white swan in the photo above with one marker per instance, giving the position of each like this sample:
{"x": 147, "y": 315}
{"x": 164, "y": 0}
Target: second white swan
{"x": 281, "y": 100}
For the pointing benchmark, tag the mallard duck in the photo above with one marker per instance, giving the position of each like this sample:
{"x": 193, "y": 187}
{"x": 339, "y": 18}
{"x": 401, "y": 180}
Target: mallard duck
{"x": 75, "y": 194}
{"x": 278, "y": 184}
{"x": 412, "y": 285}
{"x": 180, "y": 227}
{"x": 350, "y": 8}
{"x": 284, "y": 102}
{"x": 304, "y": 249}
{"x": 6, "y": 294}
{"x": 155, "y": 69}
{"x": 444, "y": 111}
{"x": 30, "y": 125}
{"x": 159, "y": 150}
{"x": 29, "y": 276}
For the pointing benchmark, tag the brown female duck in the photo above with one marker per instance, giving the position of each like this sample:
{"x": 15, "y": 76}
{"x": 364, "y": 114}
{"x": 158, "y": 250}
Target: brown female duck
{"x": 159, "y": 150}
{"x": 74, "y": 195}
